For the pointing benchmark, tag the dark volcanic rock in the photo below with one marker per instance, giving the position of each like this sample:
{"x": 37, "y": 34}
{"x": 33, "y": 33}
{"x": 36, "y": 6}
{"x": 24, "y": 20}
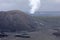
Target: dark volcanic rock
{"x": 16, "y": 20}
{"x": 57, "y": 34}
{"x": 3, "y": 35}
{"x": 22, "y": 36}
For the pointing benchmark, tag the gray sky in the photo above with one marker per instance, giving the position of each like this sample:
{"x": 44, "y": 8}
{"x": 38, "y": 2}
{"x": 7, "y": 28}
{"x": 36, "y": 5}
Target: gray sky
{"x": 46, "y": 5}
{"x": 50, "y": 5}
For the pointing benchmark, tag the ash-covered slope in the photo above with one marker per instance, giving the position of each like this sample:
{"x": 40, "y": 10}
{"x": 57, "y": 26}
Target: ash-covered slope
{"x": 16, "y": 20}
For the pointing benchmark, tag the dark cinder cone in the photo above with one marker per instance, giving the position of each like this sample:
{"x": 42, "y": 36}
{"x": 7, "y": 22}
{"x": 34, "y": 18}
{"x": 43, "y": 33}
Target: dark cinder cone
{"x": 16, "y": 20}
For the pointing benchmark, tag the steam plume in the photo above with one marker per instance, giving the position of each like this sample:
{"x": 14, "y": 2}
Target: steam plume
{"x": 35, "y": 5}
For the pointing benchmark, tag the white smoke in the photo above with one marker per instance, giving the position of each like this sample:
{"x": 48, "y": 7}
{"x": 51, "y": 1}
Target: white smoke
{"x": 35, "y": 5}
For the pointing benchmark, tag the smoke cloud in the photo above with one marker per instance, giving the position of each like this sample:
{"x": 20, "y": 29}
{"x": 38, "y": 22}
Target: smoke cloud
{"x": 35, "y": 5}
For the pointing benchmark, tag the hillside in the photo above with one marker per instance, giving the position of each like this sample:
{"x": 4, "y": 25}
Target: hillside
{"x": 15, "y": 20}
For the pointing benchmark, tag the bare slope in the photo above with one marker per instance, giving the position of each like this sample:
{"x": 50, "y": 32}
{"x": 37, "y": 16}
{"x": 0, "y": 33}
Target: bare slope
{"x": 16, "y": 20}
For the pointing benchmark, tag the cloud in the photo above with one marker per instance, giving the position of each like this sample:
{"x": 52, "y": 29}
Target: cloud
{"x": 50, "y": 5}
{"x": 6, "y": 6}
{"x": 55, "y": 1}
{"x": 13, "y": 5}
{"x": 24, "y": 5}
{"x": 58, "y": 1}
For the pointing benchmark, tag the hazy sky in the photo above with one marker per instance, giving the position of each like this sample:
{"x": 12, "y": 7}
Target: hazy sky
{"x": 46, "y": 5}
{"x": 50, "y": 5}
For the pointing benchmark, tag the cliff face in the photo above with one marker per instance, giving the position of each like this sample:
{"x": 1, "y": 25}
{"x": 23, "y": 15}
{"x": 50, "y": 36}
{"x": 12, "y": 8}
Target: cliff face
{"x": 16, "y": 20}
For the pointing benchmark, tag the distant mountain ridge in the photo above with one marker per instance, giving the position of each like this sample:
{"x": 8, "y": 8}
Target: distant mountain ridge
{"x": 47, "y": 13}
